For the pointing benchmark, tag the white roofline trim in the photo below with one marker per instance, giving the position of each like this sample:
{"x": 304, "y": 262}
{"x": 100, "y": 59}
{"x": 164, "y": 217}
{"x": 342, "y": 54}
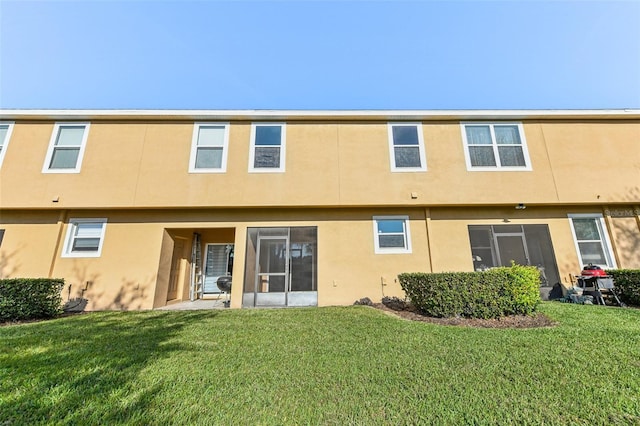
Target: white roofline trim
{"x": 135, "y": 114}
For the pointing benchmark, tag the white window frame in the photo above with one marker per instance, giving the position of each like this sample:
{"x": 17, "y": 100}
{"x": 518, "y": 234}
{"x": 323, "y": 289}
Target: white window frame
{"x": 392, "y": 154}
{"x": 194, "y": 148}
{"x": 392, "y": 250}
{"x": 283, "y": 150}
{"x": 604, "y": 241}
{"x": 494, "y": 144}
{"x": 4, "y": 143}
{"x": 52, "y": 141}
{"x": 71, "y": 229}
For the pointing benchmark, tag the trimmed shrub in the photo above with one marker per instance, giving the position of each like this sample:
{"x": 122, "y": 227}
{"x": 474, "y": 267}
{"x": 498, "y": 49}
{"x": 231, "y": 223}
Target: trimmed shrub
{"x": 627, "y": 282}
{"x": 494, "y": 293}
{"x": 30, "y": 298}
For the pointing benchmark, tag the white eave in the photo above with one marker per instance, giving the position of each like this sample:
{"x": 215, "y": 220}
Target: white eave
{"x": 300, "y": 115}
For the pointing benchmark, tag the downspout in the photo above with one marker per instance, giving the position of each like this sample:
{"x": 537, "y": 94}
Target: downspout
{"x": 427, "y": 219}
{"x": 62, "y": 217}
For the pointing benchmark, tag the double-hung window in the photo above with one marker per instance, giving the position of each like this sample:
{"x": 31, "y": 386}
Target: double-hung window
{"x": 84, "y": 238}
{"x": 591, "y": 239}
{"x": 5, "y": 135}
{"x": 391, "y": 234}
{"x": 66, "y": 148}
{"x": 209, "y": 148}
{"x": 267, "y": 147}
{"x": 406, "y": 147}
{"x": 495, "y": 146}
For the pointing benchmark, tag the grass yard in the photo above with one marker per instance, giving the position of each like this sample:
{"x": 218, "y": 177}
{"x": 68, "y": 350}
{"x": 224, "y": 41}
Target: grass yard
{"x": 344, "y": 365}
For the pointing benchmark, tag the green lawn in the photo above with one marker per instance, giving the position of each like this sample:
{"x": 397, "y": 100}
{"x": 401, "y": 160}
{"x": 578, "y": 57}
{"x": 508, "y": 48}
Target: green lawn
{"x": 349, "y": 365}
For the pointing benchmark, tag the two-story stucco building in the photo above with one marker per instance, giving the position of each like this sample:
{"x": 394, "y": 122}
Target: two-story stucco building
{"x": 140, "y": 209}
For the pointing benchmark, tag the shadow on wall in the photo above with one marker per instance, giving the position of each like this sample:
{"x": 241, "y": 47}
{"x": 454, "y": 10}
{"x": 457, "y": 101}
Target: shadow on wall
{"x": 629, "y": 245}
{"x": 96, "y": 358}
{"x": 80, "y": 283}
{"x": 87, "y": 288}
{"x": 131, "y": 295}
{"x": 8, "y": 265}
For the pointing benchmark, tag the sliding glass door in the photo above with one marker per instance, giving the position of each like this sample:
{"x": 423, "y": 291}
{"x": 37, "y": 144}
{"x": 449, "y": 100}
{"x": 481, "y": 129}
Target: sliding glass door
{"x": 280, "y": 267}
{"x": 499, "y": 245}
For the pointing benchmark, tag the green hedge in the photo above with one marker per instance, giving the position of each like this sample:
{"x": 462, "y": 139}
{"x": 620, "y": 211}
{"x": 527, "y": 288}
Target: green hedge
{"x": 30, "y": 298}
{"x": 627, "y": 282}
{"x": 488, "y": 294}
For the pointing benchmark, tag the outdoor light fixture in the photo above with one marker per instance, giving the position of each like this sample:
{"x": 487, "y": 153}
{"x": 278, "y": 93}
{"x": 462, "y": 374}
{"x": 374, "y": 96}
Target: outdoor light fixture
{"x": 521, "y": 206}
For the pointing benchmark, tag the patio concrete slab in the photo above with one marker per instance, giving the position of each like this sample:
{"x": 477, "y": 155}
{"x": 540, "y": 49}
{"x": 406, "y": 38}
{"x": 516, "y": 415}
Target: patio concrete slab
{"x": 195, "y": 305}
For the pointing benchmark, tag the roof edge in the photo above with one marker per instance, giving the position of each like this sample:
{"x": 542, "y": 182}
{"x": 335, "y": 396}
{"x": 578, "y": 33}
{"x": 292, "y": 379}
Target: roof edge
{"x": 135, "y": 114}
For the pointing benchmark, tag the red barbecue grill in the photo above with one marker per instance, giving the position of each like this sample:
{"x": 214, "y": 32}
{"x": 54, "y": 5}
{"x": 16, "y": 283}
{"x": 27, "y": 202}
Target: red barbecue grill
{"x": 594, "y": 280}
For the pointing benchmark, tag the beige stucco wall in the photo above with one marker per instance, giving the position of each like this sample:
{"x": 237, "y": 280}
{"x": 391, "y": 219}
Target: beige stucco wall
{"x": 334, "y": 163}
{"x": 623, "y": 223}
{"x": 29, "y": 244}
{"x": 337, "y": 177}
{"x": 132, "y": 272}
{"x": 450, "y": 235}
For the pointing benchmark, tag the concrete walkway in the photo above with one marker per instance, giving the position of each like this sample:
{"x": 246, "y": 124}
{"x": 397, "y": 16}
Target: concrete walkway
{"x": 195, "y": 305}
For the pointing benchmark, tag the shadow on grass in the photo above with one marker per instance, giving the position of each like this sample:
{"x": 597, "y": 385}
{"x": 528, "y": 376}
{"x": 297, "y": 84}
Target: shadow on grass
{"x": 84, "y": 369}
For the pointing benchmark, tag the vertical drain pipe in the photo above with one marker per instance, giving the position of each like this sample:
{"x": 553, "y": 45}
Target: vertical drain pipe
{"x": 427, "y": 219}
{"x": 62, "y": 216}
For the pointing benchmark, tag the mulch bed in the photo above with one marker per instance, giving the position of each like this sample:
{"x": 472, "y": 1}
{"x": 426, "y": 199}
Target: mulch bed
{"x": 513, "y": 321}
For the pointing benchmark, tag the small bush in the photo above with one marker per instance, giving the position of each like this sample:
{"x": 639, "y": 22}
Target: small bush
{"x": 627, "y": 283}
{"x": 30, "y": 298}
{"x": 494, "y": 293}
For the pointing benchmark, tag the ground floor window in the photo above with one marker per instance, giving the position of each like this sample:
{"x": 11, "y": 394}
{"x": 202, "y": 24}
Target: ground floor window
{"x": 281, "y": 267}
{"x": 84, "y": 238}
{"x": 499, "y": 245}
{"x": 592, "y": 242}
{"x": 391, "y": 234}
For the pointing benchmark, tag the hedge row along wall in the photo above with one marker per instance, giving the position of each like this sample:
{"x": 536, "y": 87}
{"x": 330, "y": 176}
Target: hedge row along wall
{"x": 488, "y": 294}
{"x": 30, "y": 298}
{"x": 627, "y": 282}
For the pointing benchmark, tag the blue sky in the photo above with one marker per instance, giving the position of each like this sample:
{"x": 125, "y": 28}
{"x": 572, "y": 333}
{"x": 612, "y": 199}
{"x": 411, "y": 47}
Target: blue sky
{"x": 320, "y": 55}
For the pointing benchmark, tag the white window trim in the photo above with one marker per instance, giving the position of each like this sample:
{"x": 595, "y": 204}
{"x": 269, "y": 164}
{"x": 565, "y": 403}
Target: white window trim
{"x": 52, "y": 141}
{"x": 497, "y": 168}
{"x": 392, "y": 250}
{"x": 283, "y": 150}
{"x": 194, "y": 148}
{"x": 7, "y": 138}
{"x": 392, "y": 155}
{"x": 68, "y": 241}
{"x": 605, "y": 237}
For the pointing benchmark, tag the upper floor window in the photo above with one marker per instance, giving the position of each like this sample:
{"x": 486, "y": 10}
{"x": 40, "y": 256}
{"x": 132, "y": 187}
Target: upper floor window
{"x": 209, "y": 148}
{"x": 84, "y": 238}
{"x": 391, "y": 234}
{"x": 267, "y": 147}
{"x": 5, "y": 135}
{"x": 66, "y": 148}
{"x": 406, "y": 147}
{"x": 491, "y": 146}
{"x": 591, "y": 239}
